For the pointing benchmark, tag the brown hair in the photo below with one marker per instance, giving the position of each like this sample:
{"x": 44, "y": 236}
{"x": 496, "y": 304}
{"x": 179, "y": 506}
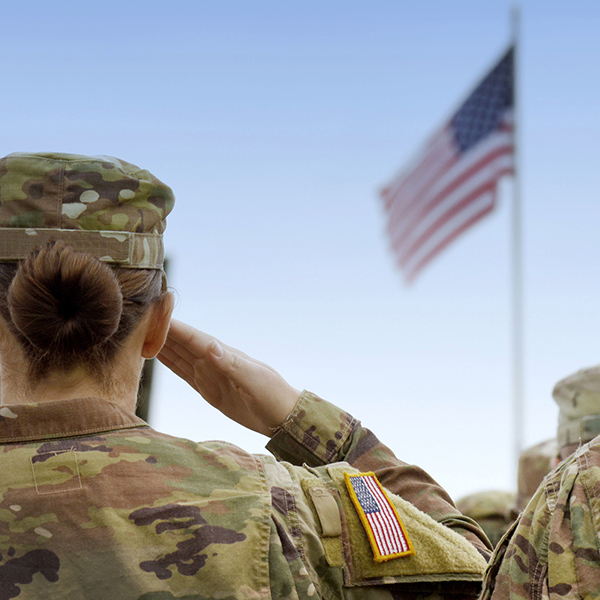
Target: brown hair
{"x": 69, "y": 309}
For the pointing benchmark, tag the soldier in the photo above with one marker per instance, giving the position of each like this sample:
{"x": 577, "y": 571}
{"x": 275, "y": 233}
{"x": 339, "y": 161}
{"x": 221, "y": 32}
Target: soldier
{"x": 496, "y": 511}
{"x": 535, "y": 463}
{"x": 578, "y": 399}
{"x": 553, "y": 549}
{"x": 492, "y": 509}
{"x": 95, "y": 504}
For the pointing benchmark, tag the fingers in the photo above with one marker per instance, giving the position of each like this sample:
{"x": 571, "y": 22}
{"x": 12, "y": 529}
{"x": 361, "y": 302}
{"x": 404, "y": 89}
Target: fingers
{"x": 183, "y": 334}
{"x": 239, "y": 368}
{"x": 200, "y": 360}
{"x": 184, "y": 349}
{"x": 173, "y": 361}
{"x": 187, "y": 341}
{"x": 246, "y": 390}
{"x": 181, "y": 354}
{"x": 190, "y": 342}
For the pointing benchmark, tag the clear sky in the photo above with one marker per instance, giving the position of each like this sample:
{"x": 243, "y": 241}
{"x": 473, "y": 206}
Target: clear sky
{"x": 276, "y": 123}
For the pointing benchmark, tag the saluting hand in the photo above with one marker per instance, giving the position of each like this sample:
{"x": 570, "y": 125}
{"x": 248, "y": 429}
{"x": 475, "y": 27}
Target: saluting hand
{"x": 242, "y": 388}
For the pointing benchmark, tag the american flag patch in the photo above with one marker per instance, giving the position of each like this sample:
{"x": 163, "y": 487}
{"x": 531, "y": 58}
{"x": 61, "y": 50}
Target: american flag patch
{"x": 379, "y": 517}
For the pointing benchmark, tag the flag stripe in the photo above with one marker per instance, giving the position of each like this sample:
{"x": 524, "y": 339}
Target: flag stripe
{"x": 443, "y": 227}
{"x": 387, "y": 519}
{"x": 444, "y": 183}
{"x": 482, "y": 208}
{"x": 425, "y": 174}
{"x": 381, "y": 535}
{"x": 380, "y": 519}
{"x": 469, "y": 187}
{"x": 412, "y": 273}
{"x": 441, "y": 179}
{"x": 389, "y": 522}
{"x": 382, "y": 540}
{"x": 408, "y": 181}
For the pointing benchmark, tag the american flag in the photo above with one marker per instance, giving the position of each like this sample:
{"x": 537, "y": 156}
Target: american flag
{"x": 384, "y": 528}
{"x": 452, "y": 182}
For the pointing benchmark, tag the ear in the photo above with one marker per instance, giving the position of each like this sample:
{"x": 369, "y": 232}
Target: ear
{"x": 158, "y": 327}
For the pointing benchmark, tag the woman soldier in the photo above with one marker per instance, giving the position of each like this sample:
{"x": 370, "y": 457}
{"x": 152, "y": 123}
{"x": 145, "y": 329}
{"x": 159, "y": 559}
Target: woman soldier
{"x": 94, "y": 504}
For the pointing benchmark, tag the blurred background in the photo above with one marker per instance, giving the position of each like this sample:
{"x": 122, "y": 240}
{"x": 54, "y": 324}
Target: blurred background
{"x": 276, "y": 124}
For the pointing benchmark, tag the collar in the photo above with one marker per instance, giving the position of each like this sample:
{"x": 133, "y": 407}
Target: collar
{"x": 63, "y": 418}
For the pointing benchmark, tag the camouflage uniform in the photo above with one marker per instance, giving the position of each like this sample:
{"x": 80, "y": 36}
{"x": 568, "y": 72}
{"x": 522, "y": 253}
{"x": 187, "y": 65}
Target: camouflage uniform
{"x": 94, "y": 504}
{"x": 492, "y": 509}
{"x": 553, "y": 551}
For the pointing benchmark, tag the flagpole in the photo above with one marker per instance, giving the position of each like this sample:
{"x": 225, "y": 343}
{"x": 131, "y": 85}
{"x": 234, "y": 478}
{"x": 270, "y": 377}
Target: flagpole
{"x": 517, "y": 266}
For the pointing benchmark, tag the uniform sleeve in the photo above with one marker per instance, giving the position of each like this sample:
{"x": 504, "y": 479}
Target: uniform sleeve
{"x": 318, "y": 433}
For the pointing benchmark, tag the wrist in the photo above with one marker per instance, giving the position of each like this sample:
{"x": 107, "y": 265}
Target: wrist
{"x": 285, "y": 408}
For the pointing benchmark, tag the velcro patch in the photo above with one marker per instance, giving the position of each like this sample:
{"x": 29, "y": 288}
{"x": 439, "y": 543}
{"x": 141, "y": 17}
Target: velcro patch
{"x": 379, "y": 517}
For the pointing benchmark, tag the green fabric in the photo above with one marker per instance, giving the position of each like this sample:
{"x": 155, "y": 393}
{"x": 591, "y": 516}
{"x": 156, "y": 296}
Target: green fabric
{"x": 440, "y": 554}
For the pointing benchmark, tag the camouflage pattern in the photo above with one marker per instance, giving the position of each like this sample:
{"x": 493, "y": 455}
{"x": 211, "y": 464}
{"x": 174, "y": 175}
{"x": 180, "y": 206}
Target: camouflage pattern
{"x": 578, "y": 399}
{"x": 535, "y": 463}
{"x": 95, "y": 504}
{"x": 553, "y": 550}
{"x": 99, "y": 204}
{"x": 492, "y": 509}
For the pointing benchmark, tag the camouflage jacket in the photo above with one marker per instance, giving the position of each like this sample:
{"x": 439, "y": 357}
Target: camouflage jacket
{"x": 553, "y": 551}
{"x": 94, "y": 504}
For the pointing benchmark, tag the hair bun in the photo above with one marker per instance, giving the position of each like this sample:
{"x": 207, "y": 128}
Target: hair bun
{"x": 65, "y": 301}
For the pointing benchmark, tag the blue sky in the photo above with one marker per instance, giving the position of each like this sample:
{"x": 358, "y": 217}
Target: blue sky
{"x": 276, "y": 123}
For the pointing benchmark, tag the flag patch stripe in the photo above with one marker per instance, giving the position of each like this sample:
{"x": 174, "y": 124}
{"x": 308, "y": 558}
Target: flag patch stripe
{"x": 379, "y": 517}
{"x": 387, "y": 518}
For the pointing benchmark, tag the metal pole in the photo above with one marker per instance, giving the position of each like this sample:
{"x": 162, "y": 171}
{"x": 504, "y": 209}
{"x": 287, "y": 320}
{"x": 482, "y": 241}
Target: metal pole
{"x": 517, "y": 266}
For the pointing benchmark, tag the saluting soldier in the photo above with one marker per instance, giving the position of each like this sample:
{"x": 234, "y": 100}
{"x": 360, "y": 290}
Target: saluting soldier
{"x": 95, "y": 504}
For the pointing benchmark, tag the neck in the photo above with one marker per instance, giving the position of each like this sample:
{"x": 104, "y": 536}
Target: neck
{"x": 122, "y": 384}
{"x": 17, "y": 388}
{"x": 62, "y": 386}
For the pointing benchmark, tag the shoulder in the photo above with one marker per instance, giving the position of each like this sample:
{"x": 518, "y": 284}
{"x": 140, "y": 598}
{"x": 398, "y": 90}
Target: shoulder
{"x": 185, "y": 449}
{"x": 373, "y": 539}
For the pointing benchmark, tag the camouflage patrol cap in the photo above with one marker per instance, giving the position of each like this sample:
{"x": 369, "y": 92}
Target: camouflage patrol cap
{"x": 488, "y": 503}
{"x": 535, "y": 463}
{"x": 97, "y": 204}
{"x": 492, "y": 509}
{"x": 578, "y": 398}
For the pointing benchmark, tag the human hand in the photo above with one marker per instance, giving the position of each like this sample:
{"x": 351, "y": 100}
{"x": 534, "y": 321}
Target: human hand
{"x": 242, "y": 388}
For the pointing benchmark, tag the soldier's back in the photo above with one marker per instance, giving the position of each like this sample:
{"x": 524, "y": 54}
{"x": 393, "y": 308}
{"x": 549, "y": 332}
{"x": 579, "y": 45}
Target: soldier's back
{"x": 102, "y": 506}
